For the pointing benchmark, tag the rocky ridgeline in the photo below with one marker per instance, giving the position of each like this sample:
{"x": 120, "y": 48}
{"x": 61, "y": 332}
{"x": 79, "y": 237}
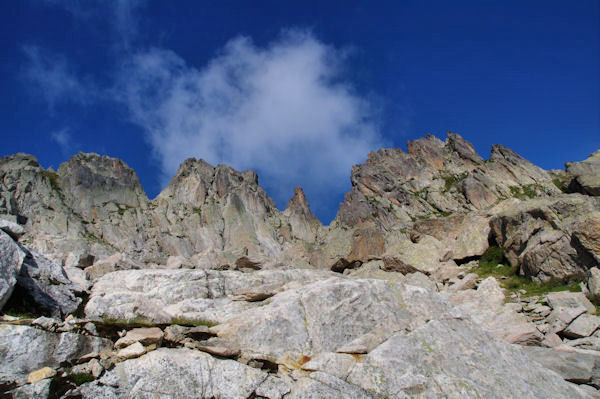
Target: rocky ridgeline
{"x": 209, "y": 291}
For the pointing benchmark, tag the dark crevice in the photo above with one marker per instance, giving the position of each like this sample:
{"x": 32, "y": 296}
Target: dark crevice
{"x": 462, "y": 261}
{"x": 265, "y": 365}
{"x": 343, "y": 264}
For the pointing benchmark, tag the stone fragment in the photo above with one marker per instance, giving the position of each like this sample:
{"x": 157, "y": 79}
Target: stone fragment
{"x": 574, "y": 367}
{"x": 47, "y": 283}
{"x": 593, "y": 282}
{"x": 566, "y": 299}
{"x": 254, "y": 294}
{"x": 215, "y": 346}
{"x": 560, "y": 318}
{"x": 46, "y": 323}
{"x": 14, "y": 230}
{"x": 132, "y": 351}
{"x": 468, "y": 282}
{"x": 40, "y": 374}
{"x": 551, "y": 340}
{"x": 177, "y": 374}
{"x": 582, "y": 326}
{"x": 145, "y": 336}
{"x": 51, "y": 349}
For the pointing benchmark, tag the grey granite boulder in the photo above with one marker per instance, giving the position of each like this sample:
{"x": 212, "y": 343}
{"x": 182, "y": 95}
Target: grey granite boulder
{"x": 11, "y": 258}
{"x": 25, "y": 349}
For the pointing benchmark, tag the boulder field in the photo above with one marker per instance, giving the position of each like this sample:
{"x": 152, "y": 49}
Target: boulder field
{"x": 443, "y": 275}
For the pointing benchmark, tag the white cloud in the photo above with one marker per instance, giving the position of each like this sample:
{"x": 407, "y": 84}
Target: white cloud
{"x": 52, "y": 76}
{"x": 64, "y": 140}
{"x": 283, "y": 110}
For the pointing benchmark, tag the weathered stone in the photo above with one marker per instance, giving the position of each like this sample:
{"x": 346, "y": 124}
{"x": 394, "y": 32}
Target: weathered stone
{"x": 145, "y": 336}
{"x": 586, "y": 175}
{"x": 51, "y": 350}
{"x": 48, "y": 285}
{"x": 582, "y": 326}
{"x": 551, "y": 340}
{"x": 487, "y": 307}
{"x": 41, "y": 374}
{"x": 215, "y": 346}
{"x": 566, "y": 299}
{"x": 39, "y": 390}
{"x": 441, "y": 357}
{"x": 335, "y": 364}
{"x": 574, "y": 367}
{"x": 325, "y": 315}
{"x": 11, "y": 258}
{"x": 468, "y": 282}
{"x": 560, "y": 318}
{"x": 178, "y": 374}
{"x": 593, "y": 282}
{"x": 14, "y": 230}
{"x": 194, "y": 296}
{"x": 132, "y": 351}
{"x": 254, "y": 294}
{"x": 537, "y": 235}
{"x": 46, "y": 323}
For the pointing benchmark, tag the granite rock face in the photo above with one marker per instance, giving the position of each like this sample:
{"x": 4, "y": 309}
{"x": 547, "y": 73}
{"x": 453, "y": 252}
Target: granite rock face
{"x": 551, "y": 237}
{"x": 208, "y": 290}
{"x": 11, "y": 259}
{"x": 585, "y": 175}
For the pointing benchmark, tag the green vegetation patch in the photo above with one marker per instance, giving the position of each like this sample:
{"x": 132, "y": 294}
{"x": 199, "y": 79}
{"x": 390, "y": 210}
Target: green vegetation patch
{"x": 526, "y": 191}
{"x": 80, "y": 378}
{"x": 53, "y": 180}
{"x": 492, "y": 263}
{"x": 451, "y": 180}
{"x": 560, "y": 184}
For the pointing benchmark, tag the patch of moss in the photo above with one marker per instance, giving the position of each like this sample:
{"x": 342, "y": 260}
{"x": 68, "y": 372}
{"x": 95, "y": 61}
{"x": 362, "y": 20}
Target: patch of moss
{"x": 559, "y": 184}
{"x": 53, "y": 180}
{"x": 451, "y": 180}
{"x": 492, "y": 263}
{"x": 80, "y": 378}
{"x": 526, "y": 191}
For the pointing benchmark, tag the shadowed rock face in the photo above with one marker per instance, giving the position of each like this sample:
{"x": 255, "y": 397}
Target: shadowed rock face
{"x": 585, "y": 175}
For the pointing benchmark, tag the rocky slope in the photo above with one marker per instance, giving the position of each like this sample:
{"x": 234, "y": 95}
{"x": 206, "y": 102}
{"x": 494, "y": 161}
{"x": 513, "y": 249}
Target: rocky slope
{"x": 210, "y": 291}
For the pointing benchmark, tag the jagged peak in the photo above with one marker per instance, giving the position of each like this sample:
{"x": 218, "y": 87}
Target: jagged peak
{"x": 298, "y": 203}
{"x": 463, "y": 148}
{"x": 95, "y": 179}
{"x": 19, "y": 159}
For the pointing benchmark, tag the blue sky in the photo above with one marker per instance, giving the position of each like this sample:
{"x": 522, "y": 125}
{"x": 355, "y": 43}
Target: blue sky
{"x": 298, "y": 92}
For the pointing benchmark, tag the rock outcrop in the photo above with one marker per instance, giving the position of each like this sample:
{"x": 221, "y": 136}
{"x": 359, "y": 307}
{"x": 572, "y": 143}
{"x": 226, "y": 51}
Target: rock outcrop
{"x": 420, "y": 288}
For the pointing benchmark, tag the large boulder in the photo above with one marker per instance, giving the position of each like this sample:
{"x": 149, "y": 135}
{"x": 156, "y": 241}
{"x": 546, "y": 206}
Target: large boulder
{"x": 453, "y": 358}
{"x": 327, "y": 315}
{"x": 47, "y": 285}
{"x": 184, "y": 296}
{"x": 25, "y": 349}
{"x": 488, "y": 309}
{"x": 585, "y": 175}
{"x": 550, "y": 238}
{"x": 11, "y": 259}
{"x": 177, "y": 373}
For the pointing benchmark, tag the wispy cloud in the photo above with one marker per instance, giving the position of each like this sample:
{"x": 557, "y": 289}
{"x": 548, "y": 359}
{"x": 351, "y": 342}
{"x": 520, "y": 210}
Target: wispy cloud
{"x": 64, "y": 139}
{"x": 50, "y": 75}
{"x": 283, "y": 109}
{"x": 121, "y": 15}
